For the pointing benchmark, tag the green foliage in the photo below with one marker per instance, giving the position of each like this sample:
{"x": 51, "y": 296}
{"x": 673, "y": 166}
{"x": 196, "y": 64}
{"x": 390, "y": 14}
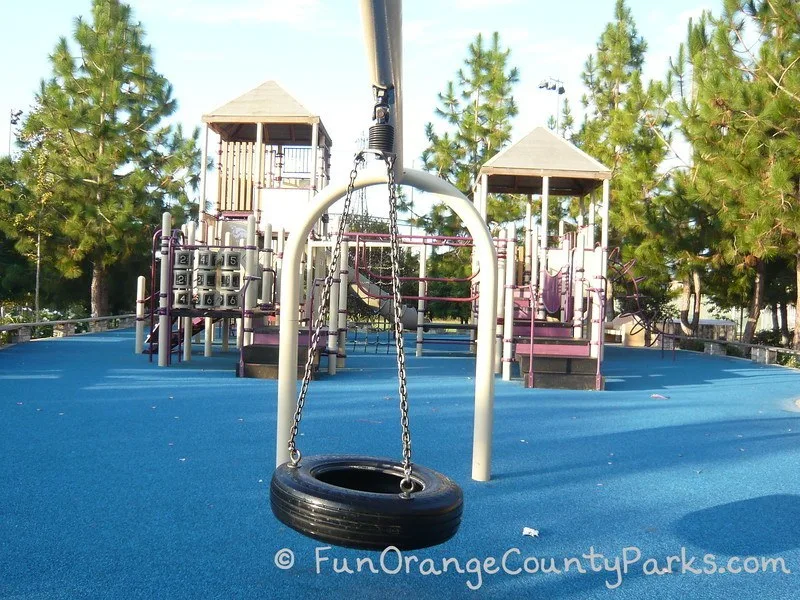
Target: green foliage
{"x": 736, "y": 351}
{"x": 101, "y": 163}
{"x": 768, "y": 337}
{"x": 691, "y": 345}
{"x": 789, "y": 360}
{"x": 740, "y": 107}
{"x": 626, "y": 129}
{"x": 378, "y": 261}
{"x": 476, "y": 110}
{"x": 456, "y": 266}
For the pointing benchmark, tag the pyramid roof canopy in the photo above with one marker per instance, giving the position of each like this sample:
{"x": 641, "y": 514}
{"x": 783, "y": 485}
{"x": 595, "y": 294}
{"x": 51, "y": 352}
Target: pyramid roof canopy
{"x": 285, "y": 120}
{"x": 519, "y": 169}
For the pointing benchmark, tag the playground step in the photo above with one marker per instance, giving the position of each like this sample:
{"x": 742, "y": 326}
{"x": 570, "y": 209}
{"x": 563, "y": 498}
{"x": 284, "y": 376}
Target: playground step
{"x": 559, "y": 364}
{"x": 560, "y": 372}
{"x": 261, "y": 361}
{"x": 261, "y": 371}
{"x": 560, "y": 381}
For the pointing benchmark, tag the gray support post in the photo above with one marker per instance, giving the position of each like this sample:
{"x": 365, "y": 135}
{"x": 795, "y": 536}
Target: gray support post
{"x": 502, "y": 265}
{"x": 526, "y": 277}
{"x": 267, "y": 280}
{"x": 240, "y": 320}
{"x": 422, "y": 291}
{"x": 333, "y": 324}
{"x": 344, "y": 272}
{"x": 209, "y": 325}
{"x": 279, "y": 261}
{"x": 508, "y": 316}
{"x": 164, "y": 326}
{"x": 251, "y": 270}
{"x": 226, "y": 322}
{"x": 187, "y": 321}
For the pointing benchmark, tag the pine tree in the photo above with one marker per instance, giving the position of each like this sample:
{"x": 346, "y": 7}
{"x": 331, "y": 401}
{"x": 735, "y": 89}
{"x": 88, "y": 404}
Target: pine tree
{"x": 477, "y": 110}
{"x": 113, "y": 164}
{"x": 626, "y": 128}
{"x": 743, "y": 120}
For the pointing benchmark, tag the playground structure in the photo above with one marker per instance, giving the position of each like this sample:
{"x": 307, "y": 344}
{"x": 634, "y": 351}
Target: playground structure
{"x": 537, "y": 295}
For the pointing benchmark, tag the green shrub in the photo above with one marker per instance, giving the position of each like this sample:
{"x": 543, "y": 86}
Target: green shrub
{"x": 789, "y": 360}
{"x": 768, "y": 337}
{"x": 693, "y": 345}
{"x": 737, "y": 351}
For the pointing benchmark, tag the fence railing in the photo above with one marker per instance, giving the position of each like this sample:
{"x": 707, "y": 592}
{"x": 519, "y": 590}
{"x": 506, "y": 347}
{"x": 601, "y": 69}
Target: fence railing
{"x": 759, "y": 353}
{"x": 14, "y": 333}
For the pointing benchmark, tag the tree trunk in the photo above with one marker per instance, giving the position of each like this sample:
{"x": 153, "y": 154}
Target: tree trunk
{"x": 756, "y": 302}
{"x": 99, "y": 291}
{"x": 784, "y": 312}
{"x": 698, "y": 299}
{"x": 690, "y": 286}
{"x": 686, "y": 294}
{"x": 796, "y": 343}
{"x": 776, "y": 326}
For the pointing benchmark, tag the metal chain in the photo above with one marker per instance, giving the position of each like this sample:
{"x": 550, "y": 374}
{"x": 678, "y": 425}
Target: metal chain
{"x": 294, "y": 453}
{"x": 406, "y": 484}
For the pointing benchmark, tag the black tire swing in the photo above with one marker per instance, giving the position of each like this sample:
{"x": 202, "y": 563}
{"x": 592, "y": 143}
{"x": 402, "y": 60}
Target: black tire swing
{"x": 362, "y": 501}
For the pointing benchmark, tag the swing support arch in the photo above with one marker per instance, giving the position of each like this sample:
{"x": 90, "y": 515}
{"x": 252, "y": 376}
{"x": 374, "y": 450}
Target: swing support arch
{"x": 290, "y": 298}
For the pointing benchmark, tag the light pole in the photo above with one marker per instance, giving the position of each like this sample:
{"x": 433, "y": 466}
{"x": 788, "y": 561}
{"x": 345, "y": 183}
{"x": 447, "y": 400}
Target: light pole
{"x": 13, "y": 119}
{"x": 554, "y": 85}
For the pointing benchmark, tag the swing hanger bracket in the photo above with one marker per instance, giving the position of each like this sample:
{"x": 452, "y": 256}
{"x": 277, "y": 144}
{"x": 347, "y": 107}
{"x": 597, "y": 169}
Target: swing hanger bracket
{"x": 381, "y": 133}
{"x": 384, "y": 96}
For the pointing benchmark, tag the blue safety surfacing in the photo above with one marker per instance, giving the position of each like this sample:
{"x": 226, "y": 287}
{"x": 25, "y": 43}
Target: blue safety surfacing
{"x": 119, "y": 479}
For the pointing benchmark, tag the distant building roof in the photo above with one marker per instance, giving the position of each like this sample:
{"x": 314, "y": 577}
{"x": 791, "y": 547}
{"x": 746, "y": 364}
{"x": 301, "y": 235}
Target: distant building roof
{"x": 717, "y": 322}
{"x": 519, "y": 169}
{"x": 286, "y": 120}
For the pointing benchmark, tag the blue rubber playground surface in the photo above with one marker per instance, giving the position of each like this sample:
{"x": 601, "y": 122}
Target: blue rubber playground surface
{"x": 122, "y": 480}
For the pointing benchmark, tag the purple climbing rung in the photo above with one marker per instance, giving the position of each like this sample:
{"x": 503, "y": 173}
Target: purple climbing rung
{"x": 567, "y": 350}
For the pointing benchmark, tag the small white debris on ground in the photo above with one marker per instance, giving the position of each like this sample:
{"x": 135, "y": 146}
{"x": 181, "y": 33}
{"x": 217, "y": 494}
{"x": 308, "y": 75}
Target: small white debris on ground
{"x": 530, "y": 531}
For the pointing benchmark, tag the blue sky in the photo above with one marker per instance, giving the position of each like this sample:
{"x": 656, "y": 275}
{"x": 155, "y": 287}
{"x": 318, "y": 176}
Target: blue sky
{"x": 213, "y": 51}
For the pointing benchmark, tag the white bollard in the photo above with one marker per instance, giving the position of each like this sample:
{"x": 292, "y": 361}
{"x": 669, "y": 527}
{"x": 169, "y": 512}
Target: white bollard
{"x": 140, "y": 288}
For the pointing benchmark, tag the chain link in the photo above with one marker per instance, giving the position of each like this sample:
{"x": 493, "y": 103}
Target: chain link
{"x": 406, "y": 485}
{"x": 294, "y": 453}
